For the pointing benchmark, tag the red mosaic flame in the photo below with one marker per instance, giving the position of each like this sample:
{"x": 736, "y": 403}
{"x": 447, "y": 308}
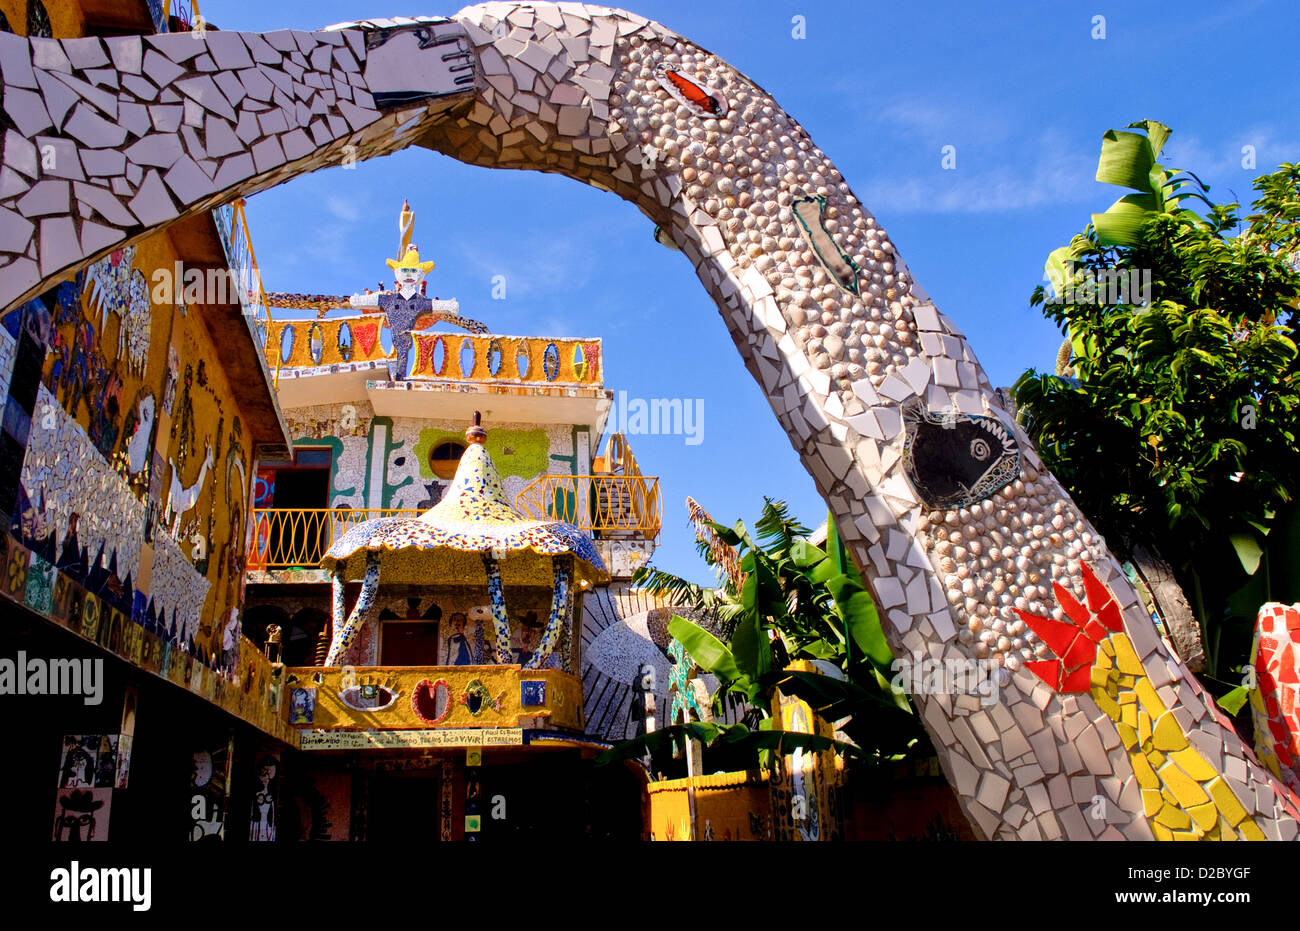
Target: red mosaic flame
{"x": 1074, "y": 641}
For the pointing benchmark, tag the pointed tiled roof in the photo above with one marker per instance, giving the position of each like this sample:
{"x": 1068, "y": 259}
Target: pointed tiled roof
{"x": 474, "y": 516}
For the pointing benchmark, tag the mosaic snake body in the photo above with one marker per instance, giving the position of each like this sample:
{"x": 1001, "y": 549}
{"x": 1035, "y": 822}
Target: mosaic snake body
{"x": 974, "y": 554}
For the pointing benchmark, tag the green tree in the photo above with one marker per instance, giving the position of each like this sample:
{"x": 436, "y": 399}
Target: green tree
{"x": 1178, "y": 428}
{"x": 780, "y": 598}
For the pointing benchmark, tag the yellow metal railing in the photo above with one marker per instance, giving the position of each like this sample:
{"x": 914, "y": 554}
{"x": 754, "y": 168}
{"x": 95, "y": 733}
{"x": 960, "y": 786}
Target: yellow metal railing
{"x": 603, "y": 505}
{"x": 232, "y": 225}
{"x": 187, "y": 13}
{"x": 327, "y": 341}
{"x": 297, "y": 538}
{"x": 618, "y": 458}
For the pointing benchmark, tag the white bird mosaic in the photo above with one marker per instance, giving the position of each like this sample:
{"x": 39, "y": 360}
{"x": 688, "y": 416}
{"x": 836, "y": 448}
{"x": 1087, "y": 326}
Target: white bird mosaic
{"x": 115, "y": 284}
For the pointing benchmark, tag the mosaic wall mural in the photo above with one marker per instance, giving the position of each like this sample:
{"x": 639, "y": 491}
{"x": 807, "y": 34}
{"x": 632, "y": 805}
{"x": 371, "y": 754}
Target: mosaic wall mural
{"x": 91, "y": 767}
{"x": 822, "y": 308}
{"x": 1275, "y": 699}
{"x": 113, "y": 483}
{"x": 627, "y": 675}
{"x": 209, "y": 788}
{"x": 126, "y": 516}
{"x": 384, "y": 462}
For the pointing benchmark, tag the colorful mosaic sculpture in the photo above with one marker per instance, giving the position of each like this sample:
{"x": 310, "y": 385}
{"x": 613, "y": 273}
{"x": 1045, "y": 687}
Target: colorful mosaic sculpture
{"x": 685, "y": 700}
{"x": 555, "y": 624}
{"x": 1183, "y": 796}
{"x": 954, "y": 460}
{"x": 624, "y": 104}
{"x": 474, "y": 521}
{"x": 1275, "y": 701}
{"x": 117, "y": 286}
{"x": 407, "y": 308}
{"x": 500, "y": 617}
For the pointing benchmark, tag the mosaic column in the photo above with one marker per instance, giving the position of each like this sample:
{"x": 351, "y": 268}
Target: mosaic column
{"x": 346, "y": 632}
{"x": 560, "y": 612}
{"x": 500, "y": 617}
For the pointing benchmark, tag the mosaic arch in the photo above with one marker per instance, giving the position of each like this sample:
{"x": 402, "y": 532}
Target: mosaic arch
{"x": 974, "y": 552}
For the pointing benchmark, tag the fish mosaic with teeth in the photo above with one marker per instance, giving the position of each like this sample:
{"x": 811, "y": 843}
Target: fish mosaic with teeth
{"x": 954, "y": 460}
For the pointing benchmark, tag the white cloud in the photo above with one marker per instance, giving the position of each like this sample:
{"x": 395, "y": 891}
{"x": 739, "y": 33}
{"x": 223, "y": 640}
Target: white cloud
{"x": 343, "y": 208}
{"x": 1219, "y": 164}
{"x": 1057, "y": 173}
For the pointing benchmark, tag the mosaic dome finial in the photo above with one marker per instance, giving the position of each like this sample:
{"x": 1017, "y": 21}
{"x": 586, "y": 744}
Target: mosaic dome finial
{"x": 476, "y": 433}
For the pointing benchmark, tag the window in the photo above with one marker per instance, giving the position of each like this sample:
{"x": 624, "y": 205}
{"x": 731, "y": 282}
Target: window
{"x": 313, "y": 457}
{"x": 444, "y": 458}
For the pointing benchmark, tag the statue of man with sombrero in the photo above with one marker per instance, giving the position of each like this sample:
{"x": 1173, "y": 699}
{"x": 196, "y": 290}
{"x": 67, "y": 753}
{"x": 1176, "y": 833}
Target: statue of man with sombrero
{"x": 407, "y": 308}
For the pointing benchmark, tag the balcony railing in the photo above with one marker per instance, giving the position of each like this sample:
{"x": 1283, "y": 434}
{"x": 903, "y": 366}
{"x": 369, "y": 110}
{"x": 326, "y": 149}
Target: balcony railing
{"x": 332, "y": 341}
{"x": 606, "y": 506}
{"x": 232, "y": 226}
{"x": 297, "y": 538}
{"x": 457, "y": 357}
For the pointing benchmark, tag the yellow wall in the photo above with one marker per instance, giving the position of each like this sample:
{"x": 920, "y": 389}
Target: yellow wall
{"x": 204, "y": 413}
{"x": 728, "y": 806}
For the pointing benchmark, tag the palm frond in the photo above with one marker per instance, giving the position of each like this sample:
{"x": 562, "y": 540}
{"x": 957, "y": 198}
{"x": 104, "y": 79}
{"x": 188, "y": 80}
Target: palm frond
{"x": 776, "y": 525}
{"x": 672, "y": 587}
{"x": 717, "y": 553}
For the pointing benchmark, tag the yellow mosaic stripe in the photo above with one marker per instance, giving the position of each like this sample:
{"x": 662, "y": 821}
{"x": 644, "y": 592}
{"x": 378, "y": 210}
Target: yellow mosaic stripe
{"x": 1183, "y": 796}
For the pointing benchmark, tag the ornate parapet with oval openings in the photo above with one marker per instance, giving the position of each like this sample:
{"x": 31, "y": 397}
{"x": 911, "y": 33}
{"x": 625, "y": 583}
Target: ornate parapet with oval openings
{"x": 519, "y": 360}
{"x": 439, "y": 356}
{"x": 332, "y": 341}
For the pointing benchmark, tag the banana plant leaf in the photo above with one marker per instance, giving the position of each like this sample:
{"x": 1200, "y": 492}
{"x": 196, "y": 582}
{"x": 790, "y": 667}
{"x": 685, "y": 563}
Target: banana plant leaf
{"x": 1234, "y": 701}
{"x": 1126, "y": 160}
{"x": 806, "y": 555}
{"x": 1248, "y": 550}
{"x": 1058, "y": 268}
{"x": 1124, "y": 219}
{"x": 857, "y": 610}
{"x": 854, "y": 606}
{"x": 834, "y": 699}
{"x": 750, "y": 647}
{"x": 714, "y": 656}
{"x": 1157, "y": 134}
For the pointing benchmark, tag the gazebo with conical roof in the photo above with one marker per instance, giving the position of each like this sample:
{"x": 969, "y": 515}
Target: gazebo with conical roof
{"x": 472, "y": 536}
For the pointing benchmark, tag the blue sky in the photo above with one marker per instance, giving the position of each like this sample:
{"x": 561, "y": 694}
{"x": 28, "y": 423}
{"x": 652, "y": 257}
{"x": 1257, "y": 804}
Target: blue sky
{"x": 1023, "y": 93}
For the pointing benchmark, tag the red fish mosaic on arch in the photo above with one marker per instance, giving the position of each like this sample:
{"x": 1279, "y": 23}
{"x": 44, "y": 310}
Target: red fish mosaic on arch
{"x": 705, "y": 101}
